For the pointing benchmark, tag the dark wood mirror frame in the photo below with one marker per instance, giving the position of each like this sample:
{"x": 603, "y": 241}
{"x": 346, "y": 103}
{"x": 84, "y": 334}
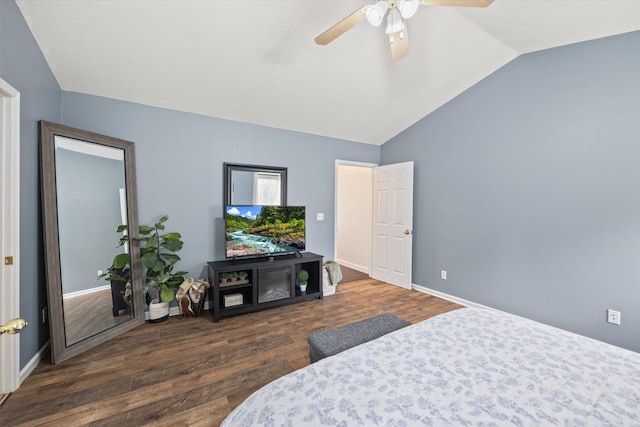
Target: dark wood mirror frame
{"x": 229, "y": 168}
{"x": 60, "y": 350}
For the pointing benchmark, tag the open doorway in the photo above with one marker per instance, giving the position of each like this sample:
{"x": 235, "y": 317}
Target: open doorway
{"x": 354, "y": 206}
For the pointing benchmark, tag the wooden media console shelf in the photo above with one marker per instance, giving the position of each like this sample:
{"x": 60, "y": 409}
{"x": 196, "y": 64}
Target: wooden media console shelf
{"x": 267, "y": 282}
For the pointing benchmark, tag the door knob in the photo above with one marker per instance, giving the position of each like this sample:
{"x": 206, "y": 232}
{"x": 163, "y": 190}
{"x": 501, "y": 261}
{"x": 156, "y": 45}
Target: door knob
{"x": 13, "y": 326}
{"x": 407, "y": 232}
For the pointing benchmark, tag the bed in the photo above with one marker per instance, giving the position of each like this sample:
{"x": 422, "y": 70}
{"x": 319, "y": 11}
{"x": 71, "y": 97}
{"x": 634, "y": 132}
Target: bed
{"x": 470, "y": 366}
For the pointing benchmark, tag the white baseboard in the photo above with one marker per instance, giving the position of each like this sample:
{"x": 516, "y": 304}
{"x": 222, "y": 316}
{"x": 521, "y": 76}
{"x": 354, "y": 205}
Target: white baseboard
{"x": 360, "y": 268}
{"x": 33, "y": 363}
{"x": 451, "y": 298}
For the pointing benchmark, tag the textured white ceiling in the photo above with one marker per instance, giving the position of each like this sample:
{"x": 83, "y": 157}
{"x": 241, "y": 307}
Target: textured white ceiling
{"x": 255, "y": 61}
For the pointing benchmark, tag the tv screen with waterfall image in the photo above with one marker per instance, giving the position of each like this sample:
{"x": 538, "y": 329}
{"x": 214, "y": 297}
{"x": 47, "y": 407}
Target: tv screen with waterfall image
{"x": 253, "y": 231}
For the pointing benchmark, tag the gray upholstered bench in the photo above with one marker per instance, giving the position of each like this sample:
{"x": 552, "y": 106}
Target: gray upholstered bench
{"x": 333, "y": 341}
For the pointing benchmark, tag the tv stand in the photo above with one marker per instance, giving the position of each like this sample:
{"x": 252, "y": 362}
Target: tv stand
{"x": 265, "y": 282}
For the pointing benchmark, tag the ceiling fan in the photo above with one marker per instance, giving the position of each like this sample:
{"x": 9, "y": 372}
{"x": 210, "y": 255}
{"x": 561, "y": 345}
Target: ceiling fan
{"x": 398, "y": 12}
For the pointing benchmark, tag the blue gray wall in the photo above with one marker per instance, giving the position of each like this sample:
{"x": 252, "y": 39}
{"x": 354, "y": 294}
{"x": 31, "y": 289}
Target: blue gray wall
{"x": 527, "y": 189}
{"x": 179, "y": 166}
{"x": 23, "y": 67}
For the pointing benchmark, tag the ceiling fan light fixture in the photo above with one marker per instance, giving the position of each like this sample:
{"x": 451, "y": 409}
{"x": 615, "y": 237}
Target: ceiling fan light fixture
{"x": 376, "y": 12}
{"x": 408, "y": 8}
{"x": 394, "y": 22}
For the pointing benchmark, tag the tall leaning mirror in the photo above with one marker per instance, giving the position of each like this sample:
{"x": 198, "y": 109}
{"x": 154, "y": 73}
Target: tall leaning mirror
{"x": 88, "y": 187}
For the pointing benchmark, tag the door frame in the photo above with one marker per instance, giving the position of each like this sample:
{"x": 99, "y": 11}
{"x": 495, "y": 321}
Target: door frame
{"x": 10, "y": 233}
{"x": 335, "y": 203}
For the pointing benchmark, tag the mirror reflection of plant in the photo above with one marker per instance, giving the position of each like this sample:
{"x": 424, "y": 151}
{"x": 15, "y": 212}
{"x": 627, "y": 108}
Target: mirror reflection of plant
{"x": 119, "y": 271}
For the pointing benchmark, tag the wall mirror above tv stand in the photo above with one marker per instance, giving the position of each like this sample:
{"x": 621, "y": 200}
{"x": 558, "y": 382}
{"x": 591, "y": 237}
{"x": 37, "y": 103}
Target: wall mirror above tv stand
{"x": 254, "y": 185}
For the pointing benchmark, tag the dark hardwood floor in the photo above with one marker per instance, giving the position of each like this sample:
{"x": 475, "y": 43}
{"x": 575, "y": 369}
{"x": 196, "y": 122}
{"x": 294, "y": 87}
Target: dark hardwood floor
{"x": 194, "y": 371}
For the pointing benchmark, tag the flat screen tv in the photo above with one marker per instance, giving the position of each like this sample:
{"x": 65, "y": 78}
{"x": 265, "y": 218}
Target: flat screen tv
{"x": 253, "y": 231}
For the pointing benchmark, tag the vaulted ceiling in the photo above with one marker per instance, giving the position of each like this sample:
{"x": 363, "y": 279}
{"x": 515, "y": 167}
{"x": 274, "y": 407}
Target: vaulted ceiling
{"x": 256, "y": 61}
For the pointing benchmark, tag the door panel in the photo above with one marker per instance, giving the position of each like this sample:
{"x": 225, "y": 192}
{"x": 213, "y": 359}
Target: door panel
{"x": 393, "y": 224}
{"x": 9, "y": 233}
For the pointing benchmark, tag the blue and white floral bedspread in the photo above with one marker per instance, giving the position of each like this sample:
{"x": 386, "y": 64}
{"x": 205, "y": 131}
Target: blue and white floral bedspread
{"x": 467, "y": 367}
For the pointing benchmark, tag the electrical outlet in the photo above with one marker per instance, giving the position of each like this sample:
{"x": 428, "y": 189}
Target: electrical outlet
{"x": 45, "y": 314}
{"x": 99, "y": 272}
{"x": 613, "y": 316}
{"x": 320, "y": 216}
{"x": 443, "y": 274}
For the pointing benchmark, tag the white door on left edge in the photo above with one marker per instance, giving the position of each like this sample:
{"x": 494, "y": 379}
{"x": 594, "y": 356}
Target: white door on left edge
{"x": 393, "y": 224}
{"x": 9, "y": 235}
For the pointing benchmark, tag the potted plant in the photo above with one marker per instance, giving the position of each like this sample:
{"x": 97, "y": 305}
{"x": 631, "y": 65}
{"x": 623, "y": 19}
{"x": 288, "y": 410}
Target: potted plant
{"x": 224, "y": 277}
{"x": 303, "y": 279}
{"x": 242, "y": 275}
{"x": 158, "y": 257}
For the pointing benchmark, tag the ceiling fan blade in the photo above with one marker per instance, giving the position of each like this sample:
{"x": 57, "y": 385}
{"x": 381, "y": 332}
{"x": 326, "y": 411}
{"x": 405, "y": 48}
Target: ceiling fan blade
{"x": 459, "y": 3}
{"x": 399, "y": 43}
{"x": 343, "y": 26}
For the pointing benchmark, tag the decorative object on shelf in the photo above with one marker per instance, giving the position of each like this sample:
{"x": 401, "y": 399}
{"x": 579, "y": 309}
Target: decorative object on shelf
{"x": 233, "y": 278}
{"x": 303, "y": 279}
{"x": 233, "y": 300}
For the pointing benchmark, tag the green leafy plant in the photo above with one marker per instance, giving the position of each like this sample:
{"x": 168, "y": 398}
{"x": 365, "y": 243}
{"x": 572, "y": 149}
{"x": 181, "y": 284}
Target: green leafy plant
{"x": 242, "y": 275}
{"x": 158, "y": 256}
{"x": 224, "y": 277}
{"x": 303, "y": 277}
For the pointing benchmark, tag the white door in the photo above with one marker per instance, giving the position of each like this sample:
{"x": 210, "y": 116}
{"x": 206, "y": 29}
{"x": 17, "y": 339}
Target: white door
{"x": 9, "y": 233}
{"x": 393, "y": 224}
